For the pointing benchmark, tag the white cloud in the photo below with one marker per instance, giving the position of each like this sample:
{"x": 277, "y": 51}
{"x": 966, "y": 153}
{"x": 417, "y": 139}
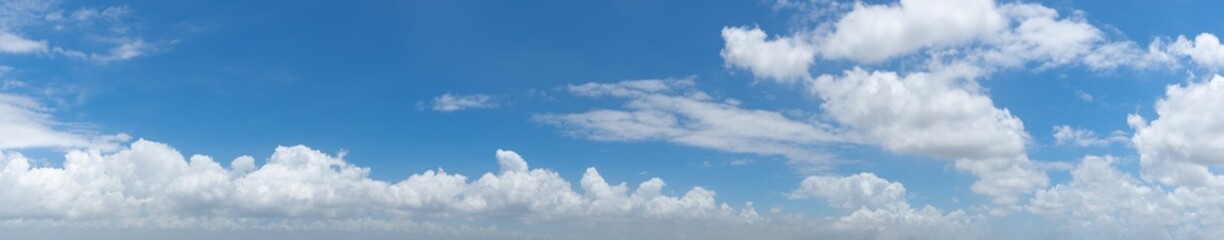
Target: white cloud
{"x": 937, "y": 108}
{"x": 150, "y": 187}
{"x": 978, "y": 31}
{"x": 672, "y": 111}
{"x": 110, "y": 33}
{"x": 1186, "y": 139}
{"x": 1101, "y": 202}
{"x": 863, "y": 190}
{"x": 741, "y": 162}
{"x": 1067, "y": 135}
{"x": 510, "y": 162}
{"x": 26, "y": 123}
{"x": 125, "y": 50}
{"x": 872, "y": 33}
{"x": 1041, "y": 35}
{"x": 879, "y": 209}
{"x": 1177, "y": 194}
{"x": 151, "y": 180}
{"x": 1205, "y": 50}
{"x": 780, "y": 58}
{"x": 11, "y": 84}
{"x": 450, "y": 103}
{"x": 11, "y": 43}
{"x": 936, "y": 114}
{"x": 1084, "y": 96}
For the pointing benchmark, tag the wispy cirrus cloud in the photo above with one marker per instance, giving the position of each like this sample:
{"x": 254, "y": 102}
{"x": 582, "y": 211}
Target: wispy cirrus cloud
{"x": 673, "y": 110}
{"x": 450, "y": 102}
{"x": 1067, "y": 135}
{"x": 27, "y": 123}
{"x": 26, "y": 27}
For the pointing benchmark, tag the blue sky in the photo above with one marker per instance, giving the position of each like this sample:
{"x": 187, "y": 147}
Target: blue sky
{"x": 875, "y": 119}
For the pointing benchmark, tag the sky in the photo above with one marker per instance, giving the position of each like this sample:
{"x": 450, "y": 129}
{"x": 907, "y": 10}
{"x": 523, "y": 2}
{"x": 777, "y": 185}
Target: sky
{"x": 757, "y": 119}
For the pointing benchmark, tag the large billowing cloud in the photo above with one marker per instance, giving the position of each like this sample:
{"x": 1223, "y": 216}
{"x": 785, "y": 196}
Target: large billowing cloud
{"x": 1186, "y": 139}
{"x": 934, "y": 109}
{"x": 149, "y": 187}
{"x": 150, "y": 180}
{"x": 937, "y": 108}
{"x": 934, "y": 114}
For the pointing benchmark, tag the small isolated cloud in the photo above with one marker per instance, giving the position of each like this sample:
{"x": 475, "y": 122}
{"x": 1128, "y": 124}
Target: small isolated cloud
{"x": 1083, "y": 96}
{"x": 11, "y": 43}
{"x": 1067, "y": 135}
{"x": 450, "y": 103}
{"x": 741, "y": 162}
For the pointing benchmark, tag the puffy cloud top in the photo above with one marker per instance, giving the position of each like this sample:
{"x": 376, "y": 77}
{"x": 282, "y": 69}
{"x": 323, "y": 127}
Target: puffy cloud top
{"x": 152, "y": 180}
{"x": 1187, "y": 138}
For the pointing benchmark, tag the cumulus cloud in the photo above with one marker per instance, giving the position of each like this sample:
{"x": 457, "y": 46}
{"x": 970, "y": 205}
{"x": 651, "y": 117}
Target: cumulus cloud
{"x": 1186, "y": 139}
{"x": 1102, "y": 202}
{"x": 879, "y": 209}
{"x": 937, "y": 108}
{"x": 935, "y": 114}
{"x": 871, "y": 33}
{"x": 673, "y": 111}
{"x": 863, "y": 190}
{"x": 150, "y": 180}
{"x": 1204, "y": 49}
{"x": 1067, "y": 135}
{"x": 450, "y": 103}
{"x": 981, "y": 32}
{"x": 1177, "y": 194}
{"x": 780, "y": 58}
{"x": 149, "y": 187}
